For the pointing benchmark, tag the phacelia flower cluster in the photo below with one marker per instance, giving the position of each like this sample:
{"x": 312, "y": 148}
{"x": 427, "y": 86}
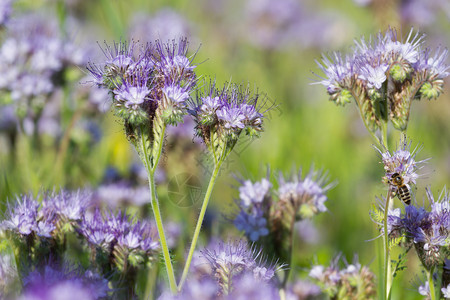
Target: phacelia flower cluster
{"x": 221, "y": 115}
{"x": 300, "y": 198}
{"x": 428, "y": 230}
{"x": 231, "y": 260}
{"x": 252, "y": 217}
{"x": 34, "y": 54}
{"x": 353, "y": 281}
{"x": 57, "y": 213}
{"x": 307, "y": 195}
{"x": 118, "y": 236}
{"x": 268, "y": 216}
{"x": 384, "y": 75}
{"x": 147, "y": 80}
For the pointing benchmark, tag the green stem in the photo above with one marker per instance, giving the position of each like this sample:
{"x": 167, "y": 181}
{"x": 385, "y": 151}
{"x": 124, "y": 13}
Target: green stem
{"x": 155, "y": 207}
{"x": 387, "y": 254}
{"x": 199, "y": 223}
{"x": 431, "y": 283}
{"x": 384, "y": 126}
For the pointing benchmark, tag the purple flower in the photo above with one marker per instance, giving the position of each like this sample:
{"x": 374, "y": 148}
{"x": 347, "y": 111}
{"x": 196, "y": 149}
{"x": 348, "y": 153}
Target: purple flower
{"x": 252, "y": 193}
{"x": 402, "y": 161}
{"x": 104, "y": 230}
{"x": 381, "y": 61}
{"x": 233, "y": 259}
{"x": 170, "y": 61}
{"x": 303, "y": 289}
{"x": 232, "y": 117}
{"x": 435, "y": 66}
{"x": 176, "y": 95}
{"x": 308, "y": 194}
{"x": 226, "y": 113}
{"x": 446, "y": 291}
{"x": 254, "y": 208}
{"x": 205, "y": 288}
{"x": 5, "y": 11}
{"x": 65, "y": 284}
{"x": 68, "y": 205}
{"x": 118, "y": 194}
{"x": 166, "y": 24}
{"x": 247, "y": 286}
{"x": 155, "y": 79}
{"x": 22, "y": 217}
{"x": 341, "y": 281}
{"x": 254, "y": 225}
{"x": 424, "y": 289}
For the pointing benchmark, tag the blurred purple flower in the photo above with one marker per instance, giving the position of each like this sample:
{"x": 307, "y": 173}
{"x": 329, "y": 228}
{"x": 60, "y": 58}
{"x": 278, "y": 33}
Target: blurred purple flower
{"x": 308, "y": 195}
{"x": 22, "y": 218}
{"x": 121, "y": 193}
{"x": 446, "y": 291}
{"x": 228, "y": 260}
{"x": 166, "y": 24}
{"x": 53, "y": 284}
{"x": 205, "y": 288}
{"x": 5, "y": 11}
{"x": 253, "y": 193}
{"x": 253, "y": 224}
{"x": 247, "y": 286}
{"x": 303, "y": 290}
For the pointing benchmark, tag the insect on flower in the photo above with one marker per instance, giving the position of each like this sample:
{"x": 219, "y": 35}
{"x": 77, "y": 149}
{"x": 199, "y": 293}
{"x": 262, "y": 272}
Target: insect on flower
{"x": 402, "y": 189}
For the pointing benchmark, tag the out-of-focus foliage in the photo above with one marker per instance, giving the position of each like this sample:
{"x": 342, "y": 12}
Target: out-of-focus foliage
{"x": 272, "y": 45}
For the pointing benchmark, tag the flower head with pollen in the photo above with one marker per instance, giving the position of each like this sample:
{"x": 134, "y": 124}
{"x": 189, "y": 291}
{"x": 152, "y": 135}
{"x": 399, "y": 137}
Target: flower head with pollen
{"x": 402, "y": 162}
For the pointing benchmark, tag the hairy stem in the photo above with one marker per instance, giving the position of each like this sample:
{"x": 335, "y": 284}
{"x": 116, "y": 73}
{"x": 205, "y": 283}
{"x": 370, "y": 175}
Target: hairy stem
{"x": 431, "y": 283}
{"x": 387, "y": 254}
{"x": 155, "y": 206}
{"x": 199, "y": 223}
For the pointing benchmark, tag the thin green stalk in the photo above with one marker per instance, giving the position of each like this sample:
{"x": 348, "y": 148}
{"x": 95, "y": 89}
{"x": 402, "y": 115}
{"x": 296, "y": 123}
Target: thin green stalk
{"x": 384, "y": 136}
{"x": 156, "y": 210}
{"x": 387, "y": 253}
{"x": 431, "y": 283}
{"x": 199, "y": 223}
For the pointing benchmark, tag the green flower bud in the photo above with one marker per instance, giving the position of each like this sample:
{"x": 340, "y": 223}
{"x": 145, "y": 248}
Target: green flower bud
{"x": 430, "y": 91}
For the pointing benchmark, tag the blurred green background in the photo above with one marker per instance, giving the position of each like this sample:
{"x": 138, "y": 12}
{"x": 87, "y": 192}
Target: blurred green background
{"x": 304, "y": 128}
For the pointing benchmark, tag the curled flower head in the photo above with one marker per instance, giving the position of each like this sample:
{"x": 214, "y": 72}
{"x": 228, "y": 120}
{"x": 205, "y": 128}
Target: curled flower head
{"x": 307, "y": 195}
{"x": 228, "y": 260}
{"x": 147, "y": 80}
{"x": 381, "y": 61}
{"x": 335, "y": 280}
{"x": 223, "y": 114}
{"x": 22, "y": 218}
{"x": 120, "y": 237}
{"x": 402, "y": 162}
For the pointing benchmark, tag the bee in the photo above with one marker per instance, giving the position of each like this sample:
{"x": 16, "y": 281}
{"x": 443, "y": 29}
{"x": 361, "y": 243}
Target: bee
{"x": 403, "y": 189}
